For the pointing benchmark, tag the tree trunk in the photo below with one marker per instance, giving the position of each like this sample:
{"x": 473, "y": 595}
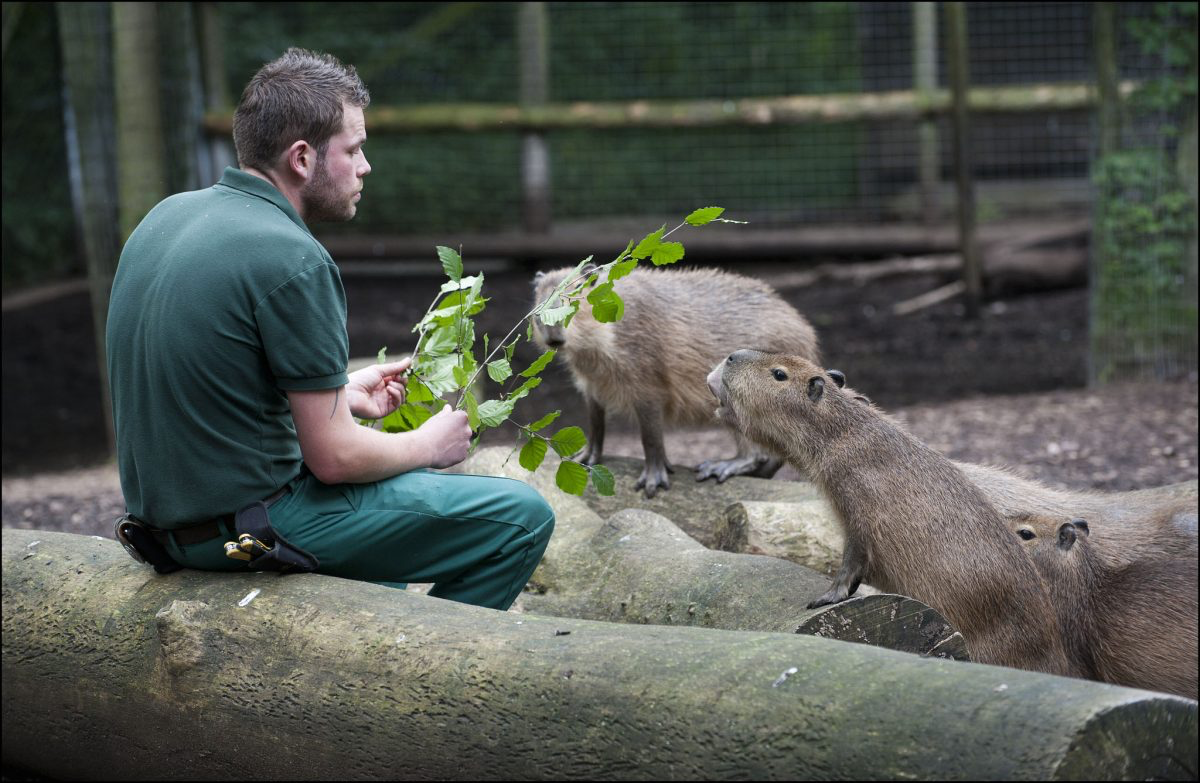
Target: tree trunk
{"x": 141, "y": 156}
{"x": 86, "y": 43}
{"x": 113, "y": 672}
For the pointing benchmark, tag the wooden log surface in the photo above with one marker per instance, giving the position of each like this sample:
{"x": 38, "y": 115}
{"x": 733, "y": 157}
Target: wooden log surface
{"x": 639, "y": 567}
{"x": 113, "y": 672}
{"x": 700, "y": 508}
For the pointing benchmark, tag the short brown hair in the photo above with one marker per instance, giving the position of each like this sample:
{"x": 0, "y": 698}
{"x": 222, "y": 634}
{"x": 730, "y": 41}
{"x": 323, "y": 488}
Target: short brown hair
{"x": 297, "y": 96}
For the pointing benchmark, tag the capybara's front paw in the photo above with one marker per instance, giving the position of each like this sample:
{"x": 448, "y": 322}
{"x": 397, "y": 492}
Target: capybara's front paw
{"x": 653, "y": 477}
{"x": 835, "y": 595}
{"x": 721, "y": 469}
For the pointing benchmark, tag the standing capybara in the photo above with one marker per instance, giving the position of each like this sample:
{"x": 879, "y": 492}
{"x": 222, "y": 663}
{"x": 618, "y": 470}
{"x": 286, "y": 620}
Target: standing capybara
{"x": 1131, "y": 625}
{"x": 652, "y": 362}
{"x": 914, "y": 524}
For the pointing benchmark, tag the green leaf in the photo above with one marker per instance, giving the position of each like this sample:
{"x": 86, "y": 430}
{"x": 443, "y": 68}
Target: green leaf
{"x": 602, "y": 480}
{"x": 649, "y": 243}
{"x": 381, "y": 357}
{"x": 461, "y": 376}
{"x": 553, "y": 315}
{"x": 571, "y": 477}
{"x": 606, "y": 304}
{"x": 705, "y": 215}
{"x": 621, "y": 269}
{"x": 539, "y": 364}
{"x": 524, "y": 389}
{"x": 416, "y": 391}
{"x": 451, "y": 262}
{"x": 544, "y": 421}
{"x": 568, "y": 440}
{"x": 472, "y": 410}
{"x": 666, "y": 253}
{"x": 499, "y": 370}
{"x": 624, "y": 252}
{"x": 492, "y": 413}
{"x": 406, "y": 418}
{"x": 532, "y": 453}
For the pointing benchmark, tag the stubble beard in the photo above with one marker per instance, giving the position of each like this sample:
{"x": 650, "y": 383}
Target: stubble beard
{"x": 322, "y": 201}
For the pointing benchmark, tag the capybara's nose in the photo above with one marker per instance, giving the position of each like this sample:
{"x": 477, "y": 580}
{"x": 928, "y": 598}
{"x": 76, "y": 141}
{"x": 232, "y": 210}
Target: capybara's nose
{"x": 555, "y": 341}
{"x": 743, "y": 355}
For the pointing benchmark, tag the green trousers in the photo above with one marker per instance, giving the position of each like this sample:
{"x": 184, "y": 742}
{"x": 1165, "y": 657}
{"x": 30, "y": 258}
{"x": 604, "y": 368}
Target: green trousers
{"x": 476, "y": 538}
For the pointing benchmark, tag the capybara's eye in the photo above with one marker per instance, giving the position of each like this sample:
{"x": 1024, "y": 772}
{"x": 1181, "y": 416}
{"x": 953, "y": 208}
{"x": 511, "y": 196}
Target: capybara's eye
{"x": 779, "y": 374}
{"x": 1026, "y": 534}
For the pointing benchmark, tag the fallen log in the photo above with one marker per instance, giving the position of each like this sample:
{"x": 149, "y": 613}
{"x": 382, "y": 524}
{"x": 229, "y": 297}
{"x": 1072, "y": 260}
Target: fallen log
{"x": 639, "y": 567}
{"x": 697, "y": 507}
{"x": 806, "y": 532}
{"x": 113, "y": 672}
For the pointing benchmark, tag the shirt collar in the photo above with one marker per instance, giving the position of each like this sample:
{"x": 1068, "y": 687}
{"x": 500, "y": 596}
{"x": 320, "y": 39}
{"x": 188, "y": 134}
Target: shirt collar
{"x": 257, "y": 186}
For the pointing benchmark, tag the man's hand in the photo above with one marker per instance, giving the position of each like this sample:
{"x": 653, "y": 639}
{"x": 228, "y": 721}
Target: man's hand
{"x": 374, "y": 392}
{"x": 448, "y": 435}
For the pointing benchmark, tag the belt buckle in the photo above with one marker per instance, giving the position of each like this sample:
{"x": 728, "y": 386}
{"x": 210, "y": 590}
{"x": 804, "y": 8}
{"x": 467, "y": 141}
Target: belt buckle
{"x": 120, "y": 531}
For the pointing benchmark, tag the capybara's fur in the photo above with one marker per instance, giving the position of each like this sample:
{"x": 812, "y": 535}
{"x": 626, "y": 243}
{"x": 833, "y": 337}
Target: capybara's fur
{"x": 651, "y": 363}
{"x": 1132, "y": 625}
{"x": 914, "y": 524}
{"x": 1125, "y": 526}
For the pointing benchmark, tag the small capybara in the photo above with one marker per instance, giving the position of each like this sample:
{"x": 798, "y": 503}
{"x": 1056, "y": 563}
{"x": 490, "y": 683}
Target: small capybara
{"x": 1132, "y": 625}
{"x": 651, "y": 363}
{"x": 914, "y": 524}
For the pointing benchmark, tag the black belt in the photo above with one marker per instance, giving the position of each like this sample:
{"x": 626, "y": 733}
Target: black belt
{"x": 206, "y": 531}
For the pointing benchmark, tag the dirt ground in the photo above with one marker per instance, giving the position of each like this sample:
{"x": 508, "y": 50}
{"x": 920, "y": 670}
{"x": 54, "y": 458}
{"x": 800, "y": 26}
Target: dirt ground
{"x": 1007, "y": 389}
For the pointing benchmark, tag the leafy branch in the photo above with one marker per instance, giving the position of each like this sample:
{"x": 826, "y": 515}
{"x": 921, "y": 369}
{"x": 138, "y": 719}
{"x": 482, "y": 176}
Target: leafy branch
{"x": 444, "y": 359}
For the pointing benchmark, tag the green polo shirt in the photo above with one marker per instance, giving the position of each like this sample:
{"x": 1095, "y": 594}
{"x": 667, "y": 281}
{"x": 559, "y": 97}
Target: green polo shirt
{"x": 223, "y": 301}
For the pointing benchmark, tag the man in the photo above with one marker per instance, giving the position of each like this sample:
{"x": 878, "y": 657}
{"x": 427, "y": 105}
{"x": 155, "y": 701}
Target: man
{"x": 227, "y": 355}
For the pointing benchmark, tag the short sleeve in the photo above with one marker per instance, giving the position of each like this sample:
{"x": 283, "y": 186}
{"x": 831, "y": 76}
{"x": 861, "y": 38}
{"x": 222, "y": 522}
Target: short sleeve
{"x": 303, "y": 328}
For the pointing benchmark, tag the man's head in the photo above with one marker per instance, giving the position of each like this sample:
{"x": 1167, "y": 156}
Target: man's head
{"x": 300, "y": 123}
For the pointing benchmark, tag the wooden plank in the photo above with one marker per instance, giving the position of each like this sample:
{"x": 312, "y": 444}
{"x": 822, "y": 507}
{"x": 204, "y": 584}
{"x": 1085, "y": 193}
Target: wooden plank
{"x": 779, "y": 110}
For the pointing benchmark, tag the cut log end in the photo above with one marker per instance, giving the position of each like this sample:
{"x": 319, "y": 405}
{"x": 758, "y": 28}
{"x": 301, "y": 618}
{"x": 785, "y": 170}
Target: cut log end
{"x": 896, "y": 622}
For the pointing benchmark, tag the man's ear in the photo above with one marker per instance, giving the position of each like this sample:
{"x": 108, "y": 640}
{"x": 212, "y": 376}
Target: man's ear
{"x": 301, "y": 159}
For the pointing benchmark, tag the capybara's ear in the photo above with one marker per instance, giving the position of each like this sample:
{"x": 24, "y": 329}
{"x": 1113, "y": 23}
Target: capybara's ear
{"x": 862, "y": 399}
{"x": 538, "y": 277}
{"x": 1066, "y": 536}
{"x": 1081, "y": 525}
{"x": 816, "y": 387}
{"x": 838, "y": 376}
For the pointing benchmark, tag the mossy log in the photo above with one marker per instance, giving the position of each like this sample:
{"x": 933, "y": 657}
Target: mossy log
{"x": 113, "y": 672}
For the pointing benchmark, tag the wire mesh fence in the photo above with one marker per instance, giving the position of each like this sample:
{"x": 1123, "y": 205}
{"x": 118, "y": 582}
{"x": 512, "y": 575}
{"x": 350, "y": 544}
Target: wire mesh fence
{"x": 848, "y": 163}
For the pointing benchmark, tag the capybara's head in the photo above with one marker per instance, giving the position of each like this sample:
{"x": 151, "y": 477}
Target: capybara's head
{"x": 1044, "y": 531}
{"x": 781, "y": 401}
{"x": 545, "y": 285}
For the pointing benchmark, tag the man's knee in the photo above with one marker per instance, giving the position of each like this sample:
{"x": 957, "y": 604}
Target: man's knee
{"x": 536, "y": 513}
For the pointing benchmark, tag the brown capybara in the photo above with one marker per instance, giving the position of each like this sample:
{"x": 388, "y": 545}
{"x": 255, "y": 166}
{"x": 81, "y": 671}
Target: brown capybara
{"x": 914, "y": 524}
{"x": 1125, "y": 526}
{"x": 1132, "y": 625}
{"x": 651, "y": 363}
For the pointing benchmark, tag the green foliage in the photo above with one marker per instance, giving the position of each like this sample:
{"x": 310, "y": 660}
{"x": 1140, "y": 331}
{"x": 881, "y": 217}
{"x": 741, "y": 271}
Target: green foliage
{"x": 1170, "y": 34}
{"x": 444, "y": 362}
{"x": 1144, "y": 302}
{"x": 1143, "y": 225}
